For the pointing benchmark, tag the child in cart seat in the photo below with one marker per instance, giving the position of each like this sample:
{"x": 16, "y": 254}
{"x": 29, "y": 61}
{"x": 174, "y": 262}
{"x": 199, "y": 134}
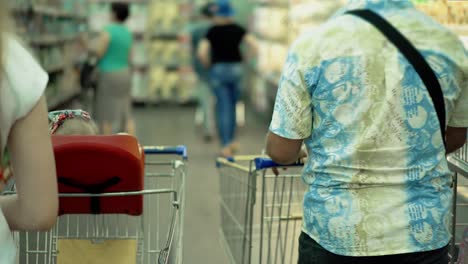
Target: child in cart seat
{"x": 65, "y": 122}
{"x": 72, "y": 122}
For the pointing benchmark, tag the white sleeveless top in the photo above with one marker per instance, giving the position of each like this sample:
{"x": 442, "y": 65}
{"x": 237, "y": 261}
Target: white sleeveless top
{"x": 23, "y": 83}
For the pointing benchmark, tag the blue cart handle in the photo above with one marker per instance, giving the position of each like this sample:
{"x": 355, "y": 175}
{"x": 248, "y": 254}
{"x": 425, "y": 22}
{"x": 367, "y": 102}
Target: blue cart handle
{"x": 177, "y": 150}
{"x": 266, "y": 163}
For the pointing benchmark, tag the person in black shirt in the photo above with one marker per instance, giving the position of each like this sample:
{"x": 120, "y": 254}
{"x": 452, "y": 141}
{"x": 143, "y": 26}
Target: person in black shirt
{"x": 221, "y": 52}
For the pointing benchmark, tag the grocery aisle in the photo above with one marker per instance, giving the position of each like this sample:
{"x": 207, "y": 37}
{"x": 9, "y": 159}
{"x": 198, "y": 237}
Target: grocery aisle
{"x": 171, "y": 126}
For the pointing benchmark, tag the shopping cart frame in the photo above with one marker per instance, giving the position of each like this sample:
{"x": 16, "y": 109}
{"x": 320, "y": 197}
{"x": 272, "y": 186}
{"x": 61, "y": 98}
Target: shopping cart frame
{"x": 458, "y": 163}
{"x": 177, "y": 213}
{"x": 257, "y": 167}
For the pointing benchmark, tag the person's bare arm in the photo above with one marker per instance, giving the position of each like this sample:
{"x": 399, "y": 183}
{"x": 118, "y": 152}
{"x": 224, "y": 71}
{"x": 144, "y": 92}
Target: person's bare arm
{"x": 35, "y": 206}
{"x": 282, "y": 150}
{"x": 204, "y": 52}
{"x": 456, "y": 138}
{"x": 252, "y": 44}
{"x": 102, "y": 44}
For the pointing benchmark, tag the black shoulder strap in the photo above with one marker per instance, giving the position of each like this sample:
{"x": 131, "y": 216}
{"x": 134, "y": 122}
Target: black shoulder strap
{"x": 414, "y": 57}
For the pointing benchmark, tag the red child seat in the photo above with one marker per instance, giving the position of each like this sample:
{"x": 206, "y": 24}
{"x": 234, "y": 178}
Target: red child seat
{"x": 99, "y": 164}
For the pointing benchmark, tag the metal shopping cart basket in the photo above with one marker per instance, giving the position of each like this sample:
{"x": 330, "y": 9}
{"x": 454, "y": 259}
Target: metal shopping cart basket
{"x": 458, "y": 163}
{"x": 261, "y": 212}
{"x": 119, "y": 203}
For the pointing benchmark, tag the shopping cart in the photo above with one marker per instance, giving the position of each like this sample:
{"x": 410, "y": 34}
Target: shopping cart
{"x": 458, "y": 163}
{"x": 266, "y": 233}
{"x": 137, "y": 218}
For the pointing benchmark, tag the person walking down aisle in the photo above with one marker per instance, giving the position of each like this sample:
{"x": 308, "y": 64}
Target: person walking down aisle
{"x": 113, "y": 96}
{"x": 205, "y": 103}
{"x": 221, "y": 51}
{"x": 24, "y": 132}
{"x": 379, "y": 184}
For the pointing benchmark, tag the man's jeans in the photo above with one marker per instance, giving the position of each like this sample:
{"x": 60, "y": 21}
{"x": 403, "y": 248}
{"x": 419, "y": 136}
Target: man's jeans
{"x": 225, "y": 83}
{"x": 310, "y": 252}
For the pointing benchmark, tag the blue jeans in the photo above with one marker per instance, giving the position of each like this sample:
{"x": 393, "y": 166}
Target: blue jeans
{"x": 225, "y": 83}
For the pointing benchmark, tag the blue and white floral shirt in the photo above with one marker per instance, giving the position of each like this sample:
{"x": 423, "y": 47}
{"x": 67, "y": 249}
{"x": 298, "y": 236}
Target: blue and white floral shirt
{"x": 377, "y": 174}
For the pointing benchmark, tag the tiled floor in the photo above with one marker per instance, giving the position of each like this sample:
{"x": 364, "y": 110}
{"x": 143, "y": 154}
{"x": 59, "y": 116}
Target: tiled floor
{"x": 175, "y": 126}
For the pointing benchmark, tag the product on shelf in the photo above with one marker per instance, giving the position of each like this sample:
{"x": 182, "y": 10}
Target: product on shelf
{"x": 453, "y": 14}
{"x": 52, "y": 29}
{"x": 164, "y": 17}
{"x": 271, "y": 57}
{"x": 277, "y": 23}
{"x": 168, "y": 51}
{"x": 267, "y": 19}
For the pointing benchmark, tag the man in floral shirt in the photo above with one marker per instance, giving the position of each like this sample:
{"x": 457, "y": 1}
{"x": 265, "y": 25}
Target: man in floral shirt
{"x": 379, "y": 185}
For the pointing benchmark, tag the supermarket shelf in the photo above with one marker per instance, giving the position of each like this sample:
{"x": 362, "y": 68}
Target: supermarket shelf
{"x": 140, "y": 68}
{"x": 55, "y": 68}
{"x": 139, "y": 35}
{"x": 50, "y": 40}
{"x": 283, "y": 41}
{"x": 272, "y": 4}
{"x": 47, "y": 11}
{"x": 120, "y": 1}
{"x": 63, "y": 98}
{"x": 136, "y": 34}
{"x": 167, "y": 66}
{"x": 271, "y": 79}
{"x": 172, "y": 68}
{"x": 139, "y": 101}
{"x": 56, "y": 12}
{"x": 165, "y": 36}
{"x": 145, "y": 101}
{"x": 20, "y": 10}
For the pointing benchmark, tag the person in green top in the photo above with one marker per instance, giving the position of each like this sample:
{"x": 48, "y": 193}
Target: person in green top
{"x": 113, "y": 95}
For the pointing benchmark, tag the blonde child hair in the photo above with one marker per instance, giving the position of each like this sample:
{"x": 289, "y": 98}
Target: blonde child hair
{"x": 72, "y": 122}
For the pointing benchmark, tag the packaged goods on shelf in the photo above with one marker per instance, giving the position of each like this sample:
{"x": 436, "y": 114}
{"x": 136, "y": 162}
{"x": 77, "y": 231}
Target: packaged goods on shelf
{"x": 98, "y": 16}
{"x": 271, "y": 23}
{"x": 260, "y": 92}
{"x": 453, "y": 14}
{"x": 302, "y": 11}
{"x": 188, "y": 80}
{"x": 168, "y": 52}
{"x": 307, "y": 15}
{"x": 458, "y": 12}
{"x": 137, "y": 20}
{"x": 140, "y": 86}
{"x": 52, "y": 29}
{"x": 437, "y": 9}
{"x": 165, "y": 52}
{"x": 273, "y": 2}
{"x": 277, "y": 24}
{"x": 271, "y": 57}
{"x": 156, "y": 77}
{"x": 163, "y": 84}
{"x": 164, "y": 17}
{"x": 139, "y": 54}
